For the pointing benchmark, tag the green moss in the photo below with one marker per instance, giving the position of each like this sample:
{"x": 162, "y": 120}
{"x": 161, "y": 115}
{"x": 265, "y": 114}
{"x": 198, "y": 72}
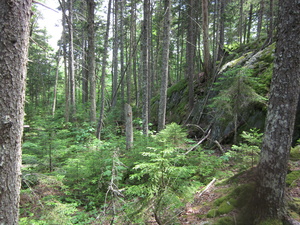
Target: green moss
{"x": 295, "y": 153}
{"x": 292, "y": 177}
{"x": 211, "y": 213}
{"x": 225, "y": 221}
{"x": 226, "y": 207}
{"x": 271, "y": 222}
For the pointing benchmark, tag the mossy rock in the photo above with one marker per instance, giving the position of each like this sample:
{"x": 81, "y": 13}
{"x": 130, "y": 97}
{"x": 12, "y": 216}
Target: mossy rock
{"x": 211, "y": 213}
{"x": 295, "y": 153}
{"x": 226, "y": 207}
{"x": 292, "y": 177}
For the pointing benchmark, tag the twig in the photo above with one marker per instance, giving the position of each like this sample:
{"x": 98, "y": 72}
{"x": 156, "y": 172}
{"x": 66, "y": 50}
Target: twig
{"x": 208, "y": 186}
{"x": 196, "y": 145}
{"x": 42, "y": 4}
{"x": 220, "y": 146}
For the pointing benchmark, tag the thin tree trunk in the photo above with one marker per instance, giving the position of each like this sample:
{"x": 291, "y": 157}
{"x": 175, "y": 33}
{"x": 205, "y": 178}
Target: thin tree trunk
{"x": 145, "y": 65}
{"x": 222, "y": 30}
{"x": 56, "y": 81}
{"x": 71, "y": 64}
{"x": 165, "y": 66}
{"x": 91, "y": 59}
{"x": 128, "y": 126}
{"x": 249, "y": 23}
{"x": 260, "y": 18}
{"x": 115, "y": 55}
{"x": 191, "y": 51}
{"x": 206, "y": 54}
{"x": 103, "y": 73}
{"x": 14, "y": 36}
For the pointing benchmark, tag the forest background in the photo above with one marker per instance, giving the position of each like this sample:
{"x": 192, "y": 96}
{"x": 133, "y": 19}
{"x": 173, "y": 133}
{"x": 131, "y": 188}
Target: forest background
{"x": 206, "y": 65}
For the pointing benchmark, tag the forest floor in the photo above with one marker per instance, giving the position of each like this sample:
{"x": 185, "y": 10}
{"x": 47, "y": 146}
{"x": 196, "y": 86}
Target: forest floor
{"x": 205, "y": 208}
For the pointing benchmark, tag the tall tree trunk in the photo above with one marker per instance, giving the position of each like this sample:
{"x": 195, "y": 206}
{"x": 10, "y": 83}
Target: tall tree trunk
{"x": 206, "y": 54}
{"x": 240, "y": 28}
{"x": 191, "y": 50}
{"x": 285, "y": 90}
{"x": 66, "y": 71}
{"x": 260, "y": 18}
{"x": 71, "y": 64}
{"x": 115, "y": 54}
{"x": 91, "y": 58}
{"x": 271, "y": 21}
{"x": 85, "y": 74}
{"x": 103, "y": 73}
{"x": 165, "y": 66}
{"x": 56, "y": 82}
{"x": 14, "y": 36}
{"x": 249, "y": 23}
{"x": 222, "y": 29}
{"x": 145, "y": 66}
{"x": 122, "y": 57}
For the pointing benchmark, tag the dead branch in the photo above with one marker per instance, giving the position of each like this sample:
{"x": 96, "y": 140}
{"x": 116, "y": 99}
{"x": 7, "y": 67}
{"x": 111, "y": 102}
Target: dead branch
{"x": 196, "y": 145}
{"x": 207, "y": 187}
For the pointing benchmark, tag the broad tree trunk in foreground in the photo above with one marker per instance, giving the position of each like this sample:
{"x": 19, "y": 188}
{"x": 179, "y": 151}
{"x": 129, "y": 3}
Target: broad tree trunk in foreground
{"x": 14, "y": 34}
{"x": 283, "y": 101}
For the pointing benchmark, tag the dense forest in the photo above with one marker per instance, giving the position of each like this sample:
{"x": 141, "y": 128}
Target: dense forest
{"x": 154, "y": 112}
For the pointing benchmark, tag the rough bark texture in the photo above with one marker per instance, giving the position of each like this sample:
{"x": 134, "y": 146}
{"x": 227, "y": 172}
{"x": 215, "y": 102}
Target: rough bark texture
{"x": 14, "y": 34}
{"x": 165, "y": 67}
{"x": 283, "y": 101}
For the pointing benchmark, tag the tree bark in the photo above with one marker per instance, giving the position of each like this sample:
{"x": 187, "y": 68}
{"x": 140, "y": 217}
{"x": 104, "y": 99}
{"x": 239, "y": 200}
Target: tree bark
{"x": 115, "y": 55}
{"x": 71, "y": 63}
{"x": 128, "y": 126}
{"x": 260, "y": 18}
{"x": 280, "y": 120}
{"x": 14, "y": 35}
{"x": 206, "y": 54}
{"x": 165, "y": 66}
{"x": 191, "y": 51}
{"x": 91, "y": 59}
{"x": 103, "y": 73}
{"x": 145, "y": 65}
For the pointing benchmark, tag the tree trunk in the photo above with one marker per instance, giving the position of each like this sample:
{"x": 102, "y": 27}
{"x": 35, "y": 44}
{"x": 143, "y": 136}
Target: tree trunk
{"x": 271, "y": 22}
{"x": 115, "y": 55}
{"x": 165, "y": 66}
{"x": 249, "y": 23}
{"x": 240, "y": 28}
{"x": 91, "y": 59}
{"x": 71, "y": 64}
{"x": 191, "y": 51}
{"x": 128, "y": 126}
{"x": 222, "y": 29}
{"x": 145, "y": 65}
{"x": 283, "y": 101}
{"x": 103, "y": 73}
{"x": 14, "y": 36}
{"x": 206, "y": 54}
{"x": 260, "y": 18}
{"x": 56, "y": 82}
